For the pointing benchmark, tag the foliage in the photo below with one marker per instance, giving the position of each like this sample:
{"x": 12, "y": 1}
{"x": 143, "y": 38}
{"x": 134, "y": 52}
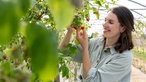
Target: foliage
{"x": 140, "y": 53}
{"x": 140, "y": 25}
{"x": 139, "y": 50}
{"x": 9, "y": 25}
{"x": 62, "y": 11}
{"x": 42, "y": 50}
{"x": 29, "y": 37}
{"x": 12, "y": 65}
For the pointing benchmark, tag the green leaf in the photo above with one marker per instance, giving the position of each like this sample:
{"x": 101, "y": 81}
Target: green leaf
{"x": 62, "y": 11}
{"x": 6, "y": 68}
{"x": 101, "y": 1}
{"x": 42, "y": 45}
{"x": 39, "y": 6}
{"x": 24, "y": 5}
{"x": 114, "y": 2}
{"x": 106, "y": 6}
{"x": 9, "y": 21}
{"x": 98, "y": 2}
{"x": 65, "y": 71}
{"x": 77, "y": 21}
{"x": 73, "y": 50}
{"x": 76, "y": 42}
{"x": 97, "y": 16}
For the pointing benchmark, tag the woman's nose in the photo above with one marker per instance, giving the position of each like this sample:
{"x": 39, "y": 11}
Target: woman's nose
{"x": 104, "y": 24}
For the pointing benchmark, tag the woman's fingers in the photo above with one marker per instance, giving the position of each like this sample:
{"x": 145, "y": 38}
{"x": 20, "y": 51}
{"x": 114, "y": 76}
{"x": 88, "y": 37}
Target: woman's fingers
{"x": 80, "y": 33}
{"x": 84, "y": 32}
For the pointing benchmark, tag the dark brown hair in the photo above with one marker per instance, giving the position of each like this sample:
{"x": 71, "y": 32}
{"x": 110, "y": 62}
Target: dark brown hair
{"x": 126, "y": 19}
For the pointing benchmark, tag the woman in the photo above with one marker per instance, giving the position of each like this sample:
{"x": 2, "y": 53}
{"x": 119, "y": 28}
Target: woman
{"x": 107, "y": 58}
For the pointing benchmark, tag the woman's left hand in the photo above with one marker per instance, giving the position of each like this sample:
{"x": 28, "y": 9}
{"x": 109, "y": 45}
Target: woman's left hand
{"x": 82, "y": 37}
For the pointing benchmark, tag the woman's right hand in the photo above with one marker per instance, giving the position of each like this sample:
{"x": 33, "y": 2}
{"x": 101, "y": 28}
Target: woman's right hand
{"x": 67, "y": 37}
{"x": 70, "y": 29}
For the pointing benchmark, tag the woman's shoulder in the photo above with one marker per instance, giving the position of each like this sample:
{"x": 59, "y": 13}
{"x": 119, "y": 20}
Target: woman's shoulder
{"x": 126, "y": 54}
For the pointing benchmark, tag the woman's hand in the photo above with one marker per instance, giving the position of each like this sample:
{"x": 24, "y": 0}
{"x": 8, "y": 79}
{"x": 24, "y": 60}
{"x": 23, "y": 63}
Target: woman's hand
{"x": 82, "y": 37}
{"x": 70, "y": 29}
{"x": 67, "y": 37}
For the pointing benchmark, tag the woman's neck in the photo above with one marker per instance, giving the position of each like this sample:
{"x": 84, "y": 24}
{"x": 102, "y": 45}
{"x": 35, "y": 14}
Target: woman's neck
{"x": 110, "y": 42}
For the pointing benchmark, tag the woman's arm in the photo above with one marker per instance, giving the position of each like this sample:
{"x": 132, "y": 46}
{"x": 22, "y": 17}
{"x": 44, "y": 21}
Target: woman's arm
{"x": 82, "y": 38}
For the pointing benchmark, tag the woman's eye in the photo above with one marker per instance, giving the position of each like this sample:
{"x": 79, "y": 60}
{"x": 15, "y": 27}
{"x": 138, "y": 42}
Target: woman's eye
{"x": 110, "y": 22}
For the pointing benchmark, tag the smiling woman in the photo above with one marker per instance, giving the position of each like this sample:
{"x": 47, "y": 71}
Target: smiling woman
{"x": 112, "y": 27}
{"x": 107, "y": 58}
{"x": 120, "y": 26}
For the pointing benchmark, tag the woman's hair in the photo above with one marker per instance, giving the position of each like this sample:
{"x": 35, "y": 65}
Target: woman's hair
{"x": 126, "y": 19}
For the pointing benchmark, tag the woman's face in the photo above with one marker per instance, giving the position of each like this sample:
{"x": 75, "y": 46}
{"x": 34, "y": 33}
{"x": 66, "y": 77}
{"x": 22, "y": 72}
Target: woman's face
{"x": 111, "y": 26}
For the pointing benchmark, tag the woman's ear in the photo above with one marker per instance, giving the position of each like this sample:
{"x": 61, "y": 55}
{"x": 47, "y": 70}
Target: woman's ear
{"x": 122, "y": 29}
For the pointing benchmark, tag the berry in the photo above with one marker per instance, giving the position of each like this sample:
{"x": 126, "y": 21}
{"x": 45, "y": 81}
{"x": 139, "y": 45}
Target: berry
{"x": 96, "y": 12}
{"x": 75, "y": 27}
{"x": 82, "y": 27}
{"x": 87, "y": 19}
{"x": 4, "y": 57}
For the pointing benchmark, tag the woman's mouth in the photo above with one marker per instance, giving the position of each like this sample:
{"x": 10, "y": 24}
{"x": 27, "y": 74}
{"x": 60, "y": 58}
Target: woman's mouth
{"x": 106, "y": 30}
